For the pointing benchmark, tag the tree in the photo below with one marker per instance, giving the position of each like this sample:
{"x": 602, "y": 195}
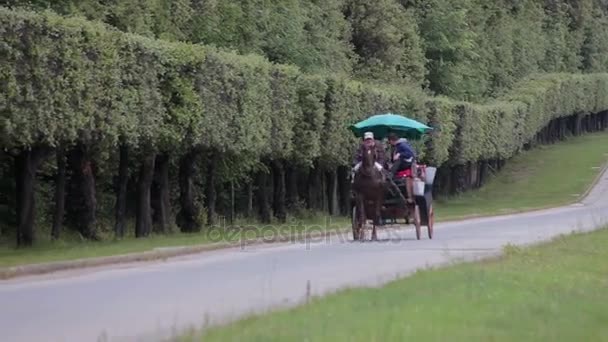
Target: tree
{"x": 385, "y": 38}
{"x": 450, "y": 47}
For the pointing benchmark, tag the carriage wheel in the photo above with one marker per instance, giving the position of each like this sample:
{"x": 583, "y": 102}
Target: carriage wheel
{"x": 431, "y": 222}
{"x": 417, "y": 221}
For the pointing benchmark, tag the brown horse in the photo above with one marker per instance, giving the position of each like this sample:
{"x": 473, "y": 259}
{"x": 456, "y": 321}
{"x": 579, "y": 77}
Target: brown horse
{"x": 369, "y": 190}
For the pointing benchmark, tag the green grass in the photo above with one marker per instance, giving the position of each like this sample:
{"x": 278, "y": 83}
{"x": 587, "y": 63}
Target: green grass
{"x": 552, "y": 292}
{"x": 72, "y": 248}
{"x": 546, "y": 176}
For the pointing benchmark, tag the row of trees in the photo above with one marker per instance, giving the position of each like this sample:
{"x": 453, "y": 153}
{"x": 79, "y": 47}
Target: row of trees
{"x": 465, "y": 49}
{"x": 135, "y": 126}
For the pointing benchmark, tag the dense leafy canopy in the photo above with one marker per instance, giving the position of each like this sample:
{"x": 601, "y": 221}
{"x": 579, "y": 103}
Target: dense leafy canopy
{"x": 269, "y": 83}
{"x": 465, "y": 49}
{"x": 69, "y": 80}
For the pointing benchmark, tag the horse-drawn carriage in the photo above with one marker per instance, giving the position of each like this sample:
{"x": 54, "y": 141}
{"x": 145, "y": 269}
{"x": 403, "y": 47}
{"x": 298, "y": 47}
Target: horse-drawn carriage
{"x": 394, "y": 205}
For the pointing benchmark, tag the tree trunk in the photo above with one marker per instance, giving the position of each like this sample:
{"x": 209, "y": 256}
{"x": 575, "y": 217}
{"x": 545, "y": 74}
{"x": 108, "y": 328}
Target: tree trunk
{"x": 120, "y": 211}
{"x": 82, "y": 194}
{"x": 232, "y": 215}
{"x": 143, "y": 223}
{"x": 334, "y": 206}
{"x": 324, "y": 193}
{"x": 250, "y": 199}
{"x": 344, "y": 189}
{"x": 292, "y": 187}
{"x": 59, "y": 195}
{"x": 443, "y": 184}
{"x": 279, "y": 208}
{"x": 26, "y": 166}
{"x": 596, "y": 122}
{"x": 304, "y": 191}
{"x": 474, "y": 175}
{"x": 483, "y": 172}
{"x": 162, "y": 201}
{"x": 577, "y": 124}
{"x": 459, "y": 179}
{"x": 570, "y": 125}
{"x": 315, "y": 189}
{"x": 211, "y": 193}
{"x": 187, "y": 218}
{"x": 262, "y": 198}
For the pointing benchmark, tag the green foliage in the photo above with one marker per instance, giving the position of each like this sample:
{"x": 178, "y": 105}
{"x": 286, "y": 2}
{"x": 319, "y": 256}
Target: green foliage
{"x": 342, "y": 107}
{"x": 328, "y": 45}
{"x": 181, "y": 98}
{"x": 528, "y": 38}
{"x": 442, "y": 118}
{"x": 469, "y": 50}
{"x": 235, "y": 93}
{"x": 385, "y": 37}
{"x": 283, "y": 111}
{"x": 450, "y": 47}
{"x": 529, "y": 293}
{"x": 68, "y": 80}
{"x": 560, "y": 54}
{"x": 594, "y": 47}
{"x": 309, "y": 124}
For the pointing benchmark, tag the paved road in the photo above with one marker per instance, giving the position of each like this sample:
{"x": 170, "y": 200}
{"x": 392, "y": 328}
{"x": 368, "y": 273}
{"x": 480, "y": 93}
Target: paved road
{"x": 146, "y": 302}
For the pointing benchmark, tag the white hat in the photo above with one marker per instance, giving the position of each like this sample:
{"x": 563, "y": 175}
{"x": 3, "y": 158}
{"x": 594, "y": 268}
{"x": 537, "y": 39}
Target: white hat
{"x": 368, "y": 135}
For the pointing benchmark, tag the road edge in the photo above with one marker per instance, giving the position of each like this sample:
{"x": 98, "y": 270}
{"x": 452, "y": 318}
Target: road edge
{"x": 178, "y": 251}
{"x": 153, "y": 255}
{"x": 579, "y": 200}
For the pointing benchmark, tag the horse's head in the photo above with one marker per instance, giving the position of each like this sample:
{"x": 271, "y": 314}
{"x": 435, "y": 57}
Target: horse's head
{"x": 369, "y": 155}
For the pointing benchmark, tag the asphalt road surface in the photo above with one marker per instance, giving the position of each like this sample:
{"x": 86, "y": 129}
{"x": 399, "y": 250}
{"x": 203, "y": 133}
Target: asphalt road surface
{"x": 147, "y": 302}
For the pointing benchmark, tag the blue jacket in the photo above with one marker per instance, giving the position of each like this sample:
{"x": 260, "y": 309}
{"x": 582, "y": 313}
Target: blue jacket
{"x": 404, "y": 149}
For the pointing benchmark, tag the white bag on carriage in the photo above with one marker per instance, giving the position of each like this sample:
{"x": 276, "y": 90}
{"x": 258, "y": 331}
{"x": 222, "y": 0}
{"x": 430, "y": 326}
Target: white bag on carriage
{"x": 419, "y": 187}
{"x": 430, "y": 175}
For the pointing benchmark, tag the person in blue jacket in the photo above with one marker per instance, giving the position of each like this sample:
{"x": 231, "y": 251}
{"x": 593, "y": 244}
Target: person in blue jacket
{"x": 404, "y": 154}
{"x": 403, "y": 158}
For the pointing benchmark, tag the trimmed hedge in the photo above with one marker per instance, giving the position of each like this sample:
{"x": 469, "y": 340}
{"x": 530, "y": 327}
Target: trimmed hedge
{"x": 65, "y": 80}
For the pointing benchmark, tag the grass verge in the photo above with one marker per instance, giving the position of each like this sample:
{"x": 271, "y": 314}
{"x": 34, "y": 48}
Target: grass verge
{"x": 547, "y": 176}
{"x": 72, "y": 249}
{"x": 551, "y": 292}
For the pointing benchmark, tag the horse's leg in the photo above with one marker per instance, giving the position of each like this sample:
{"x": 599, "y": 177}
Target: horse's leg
{"x": 374, "y": 222}
{"x": 362, "y": 217}
{"x": 374, "y": 236}
{"x": 358, "y": 216}
{"x": 376, "y": 217}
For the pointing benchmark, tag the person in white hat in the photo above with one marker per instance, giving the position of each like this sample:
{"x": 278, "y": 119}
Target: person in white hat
{"x": 368, "y": 139}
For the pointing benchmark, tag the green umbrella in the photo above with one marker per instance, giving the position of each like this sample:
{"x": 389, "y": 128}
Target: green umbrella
{"x": 383, "y": 124}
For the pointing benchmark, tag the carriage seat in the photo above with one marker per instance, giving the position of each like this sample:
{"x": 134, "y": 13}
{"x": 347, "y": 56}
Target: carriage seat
{"x": 404, "y": 173}
{"x": 407, "y": 173}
